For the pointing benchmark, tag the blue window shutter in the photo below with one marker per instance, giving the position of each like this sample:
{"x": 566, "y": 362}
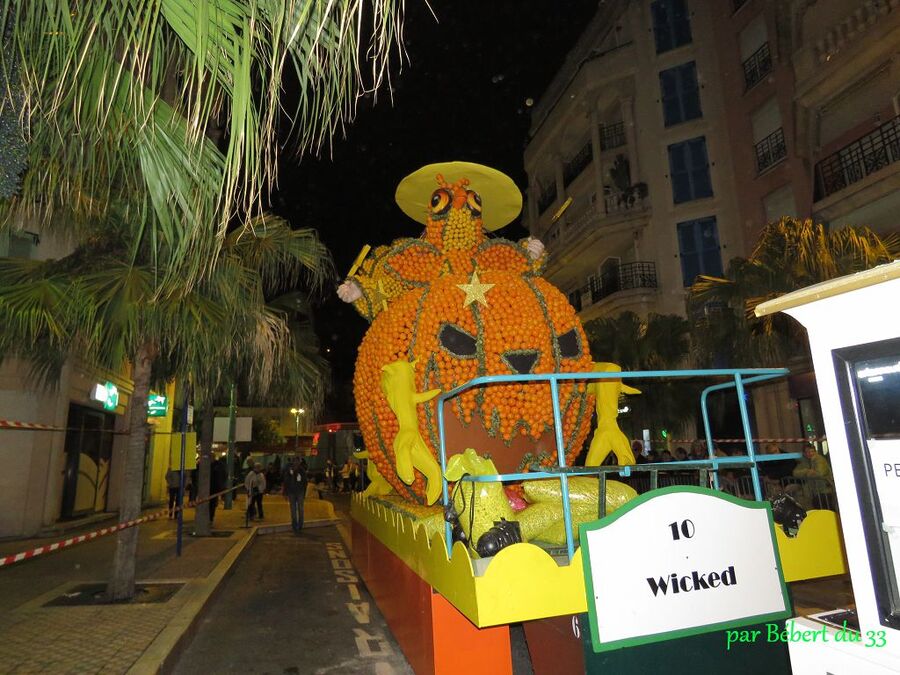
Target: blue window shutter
{"x": 702, "y": 186}
{"x": 679, "y": 93}
{"x": 710, "y": 255}
{"x": 687, "y": 251}
{"x": 668, "y": 85}
{"x": 698, "y": 248}
{"x": 690, "y": 92}
{"x": 671, "y": 24}
{"x": 661, "y": 26}
{"x": 681, "y": 23}
{"x": 679, "y": 173}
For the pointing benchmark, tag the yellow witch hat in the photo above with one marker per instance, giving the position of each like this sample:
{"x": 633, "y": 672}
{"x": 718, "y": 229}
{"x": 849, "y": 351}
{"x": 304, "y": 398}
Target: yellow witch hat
{"x": 500, "y": 198}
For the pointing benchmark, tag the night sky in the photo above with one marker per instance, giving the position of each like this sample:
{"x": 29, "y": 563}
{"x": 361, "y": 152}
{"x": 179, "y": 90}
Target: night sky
{"x": 460, "y": 96}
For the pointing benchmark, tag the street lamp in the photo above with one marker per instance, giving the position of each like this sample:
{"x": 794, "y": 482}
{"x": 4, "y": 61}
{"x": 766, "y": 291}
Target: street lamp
{"x": 296, "y": 412}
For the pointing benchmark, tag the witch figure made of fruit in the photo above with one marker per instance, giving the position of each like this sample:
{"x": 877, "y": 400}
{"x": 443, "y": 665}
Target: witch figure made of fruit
{"x": 452, "y": 305}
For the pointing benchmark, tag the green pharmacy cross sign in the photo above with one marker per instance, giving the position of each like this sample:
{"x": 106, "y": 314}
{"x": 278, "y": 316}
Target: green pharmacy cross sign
{"x": 107, "y": 394}
{"x": 157, "y": 405}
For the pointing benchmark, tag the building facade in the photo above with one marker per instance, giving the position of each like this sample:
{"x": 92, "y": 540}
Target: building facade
{"x": 630, "y": 186}
{"x": 676, "y": 129}
{"x": 76, "y": 469}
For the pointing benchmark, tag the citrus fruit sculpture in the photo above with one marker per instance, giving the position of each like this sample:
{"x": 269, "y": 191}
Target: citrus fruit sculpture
{"x": 453, "y": 305}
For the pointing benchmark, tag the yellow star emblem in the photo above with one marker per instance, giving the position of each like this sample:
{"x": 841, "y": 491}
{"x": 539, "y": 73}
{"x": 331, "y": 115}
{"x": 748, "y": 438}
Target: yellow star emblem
{"x": 474, "y": 290}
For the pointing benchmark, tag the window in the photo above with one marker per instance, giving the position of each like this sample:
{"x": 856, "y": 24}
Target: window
{"x": 18, "y": 244}
{"x": 680, "y": 94}
{"x": 779, "y": 204}
{"x": 689, "y": 170}
{"x": 671, "y": 24}
{"x": 768, "y": 136}
{"x": 868, "y": 380}
{"x": 755, "y": 55}
{"x": 698, "y": 247}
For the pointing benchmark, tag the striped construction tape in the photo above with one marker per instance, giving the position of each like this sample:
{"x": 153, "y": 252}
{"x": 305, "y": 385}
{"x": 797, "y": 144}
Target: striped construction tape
{"x": 96, "y": 534}
{"x": 11, "y": 424}
{"x": 33, "y": 426}
{"x": 755, "y": 440}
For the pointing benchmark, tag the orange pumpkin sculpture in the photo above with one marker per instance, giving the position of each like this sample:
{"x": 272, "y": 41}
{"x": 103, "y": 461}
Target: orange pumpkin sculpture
{"x": 457, "y": 305}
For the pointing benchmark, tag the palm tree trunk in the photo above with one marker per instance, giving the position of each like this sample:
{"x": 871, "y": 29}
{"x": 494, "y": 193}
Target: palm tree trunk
{"x": 121, "y": 585}
{"x": 201, "y": 515}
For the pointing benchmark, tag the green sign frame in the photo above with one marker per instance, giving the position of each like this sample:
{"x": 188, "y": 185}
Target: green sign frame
{"x": 157, "y": 405}
{"x": 583, "y": 529}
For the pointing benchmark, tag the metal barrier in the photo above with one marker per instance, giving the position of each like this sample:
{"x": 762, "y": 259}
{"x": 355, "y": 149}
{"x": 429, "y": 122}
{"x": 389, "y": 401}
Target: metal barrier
{"x": 740, "y": 378}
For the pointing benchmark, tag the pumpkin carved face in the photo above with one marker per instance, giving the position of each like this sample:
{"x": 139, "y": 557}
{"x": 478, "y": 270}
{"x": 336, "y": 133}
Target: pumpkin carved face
{"x": 456, "y": 328}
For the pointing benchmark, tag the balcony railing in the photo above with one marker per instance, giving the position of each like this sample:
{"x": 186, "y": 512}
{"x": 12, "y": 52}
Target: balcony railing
{"x": 855, "y": 161}
{"x": 633, "y": 198}
{"x": 612, "y": 136}
{"x": 579, "y": 162}
{"x": 625, "y": 277}
{"x": 547, "y": 197}
{"x": 770, "y": 150}
{"x": 757, "y": 66}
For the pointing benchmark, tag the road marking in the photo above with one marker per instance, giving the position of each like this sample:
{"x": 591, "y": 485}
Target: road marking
{"x": 368, "y": 645}
{"x": 360, "y": 611}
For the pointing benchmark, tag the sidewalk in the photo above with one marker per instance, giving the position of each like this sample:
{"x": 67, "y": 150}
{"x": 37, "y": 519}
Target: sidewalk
{"x": 116, "y": 638}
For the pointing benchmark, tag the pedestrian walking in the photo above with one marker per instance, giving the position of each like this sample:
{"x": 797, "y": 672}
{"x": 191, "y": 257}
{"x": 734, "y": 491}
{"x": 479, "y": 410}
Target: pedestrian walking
{"x": 255, "y": 482}
{"x": 218, "y": 476}
{"x": 345, "y": 476}
{"x": 173, "y": 482}
{"x": 330, "y": 475}
{"x": 192, "y": 484}
{"x": 293, "y": 487}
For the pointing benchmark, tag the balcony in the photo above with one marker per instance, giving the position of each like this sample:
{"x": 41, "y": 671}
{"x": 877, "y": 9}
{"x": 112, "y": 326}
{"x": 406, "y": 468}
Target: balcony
{"x": 612, "y": 136}
{"x": 628, "y": 276}
{"x": 857, "y": 160}
{"x": 613, "y": 286}
{"x": 578, "y": 163}
{"x": 770, "y": 150}
{"x": 757, "y": 66}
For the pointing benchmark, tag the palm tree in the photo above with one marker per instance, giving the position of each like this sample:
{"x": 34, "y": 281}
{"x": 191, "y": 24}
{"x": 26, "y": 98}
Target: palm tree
{"x": 790, "y": 254}
{"x": 659, "y": 343}
{"x": 164, "y": 115}
{"x": 151, "y": 133}
{"x": 93, "y": 302}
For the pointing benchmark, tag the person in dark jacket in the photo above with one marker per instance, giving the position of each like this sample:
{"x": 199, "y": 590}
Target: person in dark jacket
{"x": 293, "y": 487}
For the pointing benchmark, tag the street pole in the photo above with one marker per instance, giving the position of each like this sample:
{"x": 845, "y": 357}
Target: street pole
{"x": 297, "y": 433}
{"x": 229, "y": 457}
{"x": 184, "y": 426}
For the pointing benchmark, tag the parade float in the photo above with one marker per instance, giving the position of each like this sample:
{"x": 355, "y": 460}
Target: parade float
{"x": 475, "y": 391}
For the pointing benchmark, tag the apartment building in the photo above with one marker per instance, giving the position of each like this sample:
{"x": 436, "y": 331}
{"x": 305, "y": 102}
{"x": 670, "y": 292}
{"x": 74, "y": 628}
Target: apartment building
{"x": 814, "y": 123}
{"x": 814, "y": 132}
{"x": 676, "y": 129}
{"x": 630, "y": 181}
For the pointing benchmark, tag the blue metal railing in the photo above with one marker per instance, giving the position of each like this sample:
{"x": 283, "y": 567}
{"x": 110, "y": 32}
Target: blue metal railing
{"x": 741, "y": 377}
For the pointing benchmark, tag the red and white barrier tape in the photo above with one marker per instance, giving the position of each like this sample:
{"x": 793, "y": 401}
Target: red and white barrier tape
{"x": 742, "y": 440}
{"x": 10, "y": 424}
{"x": 96, "y": 534}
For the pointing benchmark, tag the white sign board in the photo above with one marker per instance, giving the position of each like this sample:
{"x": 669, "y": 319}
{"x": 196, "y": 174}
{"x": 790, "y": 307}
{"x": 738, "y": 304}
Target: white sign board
{"x": 680, "y": 561}
{"x": 243, "y": 431}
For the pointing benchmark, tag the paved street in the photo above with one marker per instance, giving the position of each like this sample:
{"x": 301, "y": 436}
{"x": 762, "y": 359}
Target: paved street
{"x": 111, "y": 638}
{"x": 289, "y": 607}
